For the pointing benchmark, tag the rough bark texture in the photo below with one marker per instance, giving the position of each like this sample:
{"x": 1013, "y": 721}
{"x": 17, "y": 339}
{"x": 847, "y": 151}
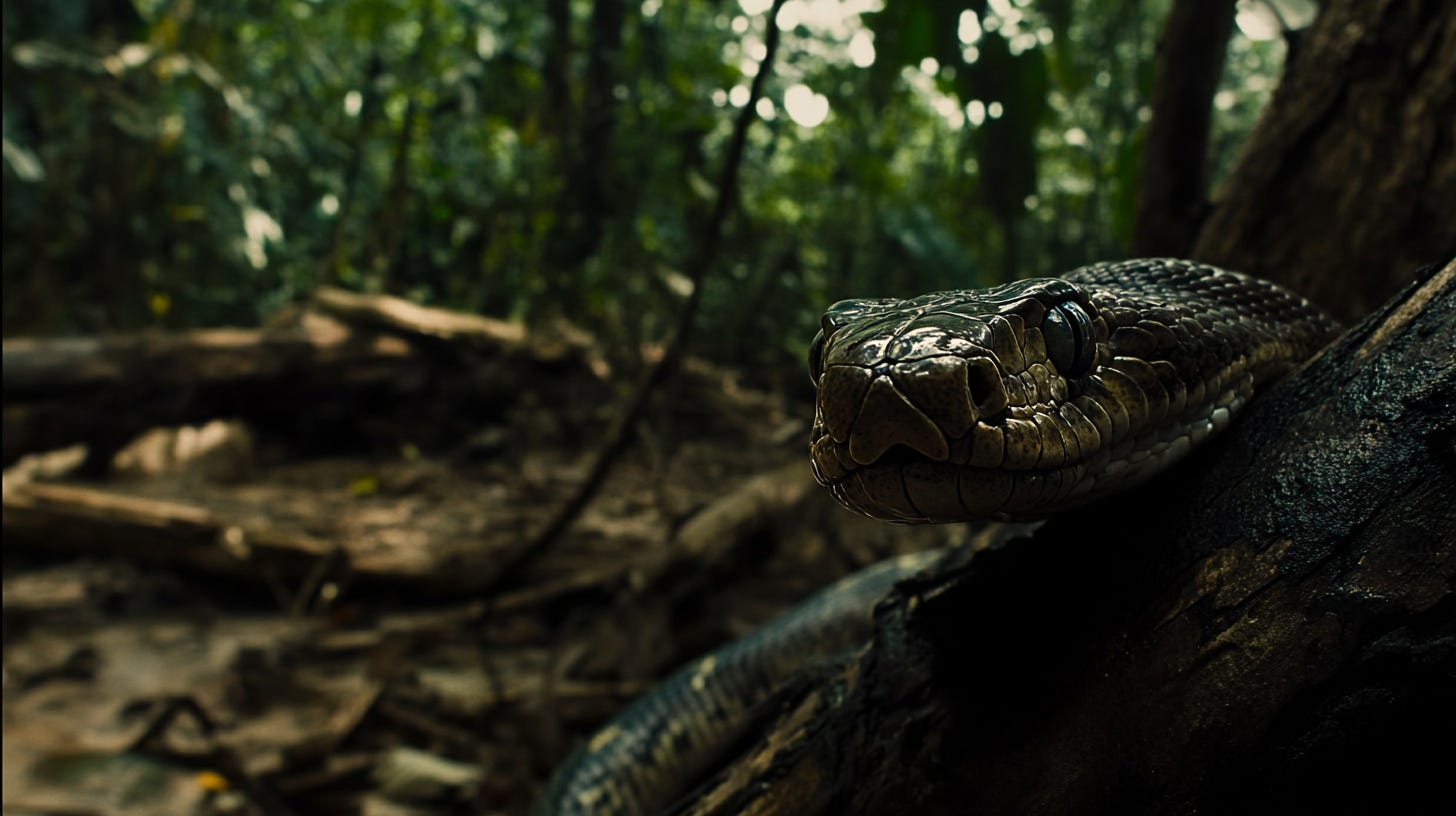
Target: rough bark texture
{"x": 1173, "y": 199}
{"x": 1349, "y": 179}
{"x": 1272, "y": 628}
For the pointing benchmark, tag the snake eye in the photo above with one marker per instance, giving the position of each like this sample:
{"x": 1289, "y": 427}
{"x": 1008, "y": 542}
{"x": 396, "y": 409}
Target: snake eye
{"x": 816, "y": 359}
{"x": 1070, "y": 341}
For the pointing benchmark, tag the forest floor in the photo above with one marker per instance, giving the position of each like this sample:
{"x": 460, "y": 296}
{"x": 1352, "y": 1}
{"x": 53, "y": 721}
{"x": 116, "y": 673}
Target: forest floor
{"x": 268, "y": 632}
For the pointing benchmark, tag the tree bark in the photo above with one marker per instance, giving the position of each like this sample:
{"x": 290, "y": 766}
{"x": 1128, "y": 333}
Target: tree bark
{"x": 554, "y": 75}
{"x": 1270, "y": 628}
{"x": 1349, "y": 179}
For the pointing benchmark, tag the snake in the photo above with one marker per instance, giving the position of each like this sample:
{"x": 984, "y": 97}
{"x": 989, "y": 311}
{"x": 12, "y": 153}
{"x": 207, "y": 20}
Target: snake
{"x": 1013, "y": 402}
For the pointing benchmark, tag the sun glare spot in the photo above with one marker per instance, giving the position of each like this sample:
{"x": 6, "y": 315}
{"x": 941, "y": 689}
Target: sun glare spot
{"x": 862, "y": 49}
{"x": 790, "y": 15}
{"x": 1257, "y": 21}
{"x": 969, "y": 30}
{"x": 805, "y": 107}
{"x": 950, "y": 111}
{"x": 976, "y": 112}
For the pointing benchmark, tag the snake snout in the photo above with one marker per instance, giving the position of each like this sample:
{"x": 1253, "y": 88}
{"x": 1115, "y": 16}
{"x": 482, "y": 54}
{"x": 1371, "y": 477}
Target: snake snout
{"x": 921, "y": 405}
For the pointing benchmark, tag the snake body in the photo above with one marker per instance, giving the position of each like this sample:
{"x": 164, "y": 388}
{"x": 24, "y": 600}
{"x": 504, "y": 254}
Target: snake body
{"x": 1012, "y": 402}
{"x": 654, "y": 750}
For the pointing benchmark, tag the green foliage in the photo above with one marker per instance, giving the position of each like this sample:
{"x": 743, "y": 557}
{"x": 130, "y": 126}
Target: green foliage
{"x": 181, "y": 163}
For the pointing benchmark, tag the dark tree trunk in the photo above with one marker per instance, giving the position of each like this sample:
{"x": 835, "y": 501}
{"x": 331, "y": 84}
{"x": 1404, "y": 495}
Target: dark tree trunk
{"x": 586, "y": 197}
{"x": 353, "y": 172}
{"x": 1349, "y": 179}
{"x": 599, "y": 114}
{"x": 1173, "y": 198}
{"x": 393, "y": 212}
{"x": 555, "y": 72}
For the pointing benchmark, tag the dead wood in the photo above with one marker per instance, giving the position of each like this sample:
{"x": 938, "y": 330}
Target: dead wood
{"x": 38, "y": 366}
{"x": 1272, "y": 628}
{"x": 66, "y": 519}
{"x": 404, "y": 317}
{"x": 103, "y": 391}
{"x": 320, "y": 384}
{"x": 477, "y": 333}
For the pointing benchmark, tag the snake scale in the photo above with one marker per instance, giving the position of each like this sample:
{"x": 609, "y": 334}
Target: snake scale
{"x": 1012, "y": 402}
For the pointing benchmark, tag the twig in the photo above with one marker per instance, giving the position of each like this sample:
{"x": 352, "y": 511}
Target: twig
{"x": 171, "y": 709}
{"x": 218, "y": 758}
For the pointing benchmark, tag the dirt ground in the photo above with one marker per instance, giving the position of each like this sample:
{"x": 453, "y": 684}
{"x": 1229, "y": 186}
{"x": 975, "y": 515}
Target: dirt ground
{"x": 265, "y": 633}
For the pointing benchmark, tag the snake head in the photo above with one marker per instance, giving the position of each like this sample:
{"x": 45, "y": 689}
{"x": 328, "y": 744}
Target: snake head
{"x": 1023, "y": 399}
{"x": 912, "y": 391}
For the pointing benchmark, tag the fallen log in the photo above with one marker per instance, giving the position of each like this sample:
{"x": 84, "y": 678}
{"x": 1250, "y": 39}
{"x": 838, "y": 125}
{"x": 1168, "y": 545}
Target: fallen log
{"x": 425, "y": 376}
{"x": 1269, "y": 629}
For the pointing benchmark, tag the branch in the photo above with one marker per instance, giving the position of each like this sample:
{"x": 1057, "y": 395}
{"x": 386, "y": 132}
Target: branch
{"x": 697, "y": 268}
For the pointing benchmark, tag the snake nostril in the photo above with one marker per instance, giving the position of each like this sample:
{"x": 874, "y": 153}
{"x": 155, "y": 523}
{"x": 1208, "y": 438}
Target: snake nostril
{"x": 987, "y": 393}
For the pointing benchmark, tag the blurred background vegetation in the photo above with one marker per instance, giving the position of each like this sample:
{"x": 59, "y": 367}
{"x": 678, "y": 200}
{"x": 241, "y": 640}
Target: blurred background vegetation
{"x": 177, "y": 163}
